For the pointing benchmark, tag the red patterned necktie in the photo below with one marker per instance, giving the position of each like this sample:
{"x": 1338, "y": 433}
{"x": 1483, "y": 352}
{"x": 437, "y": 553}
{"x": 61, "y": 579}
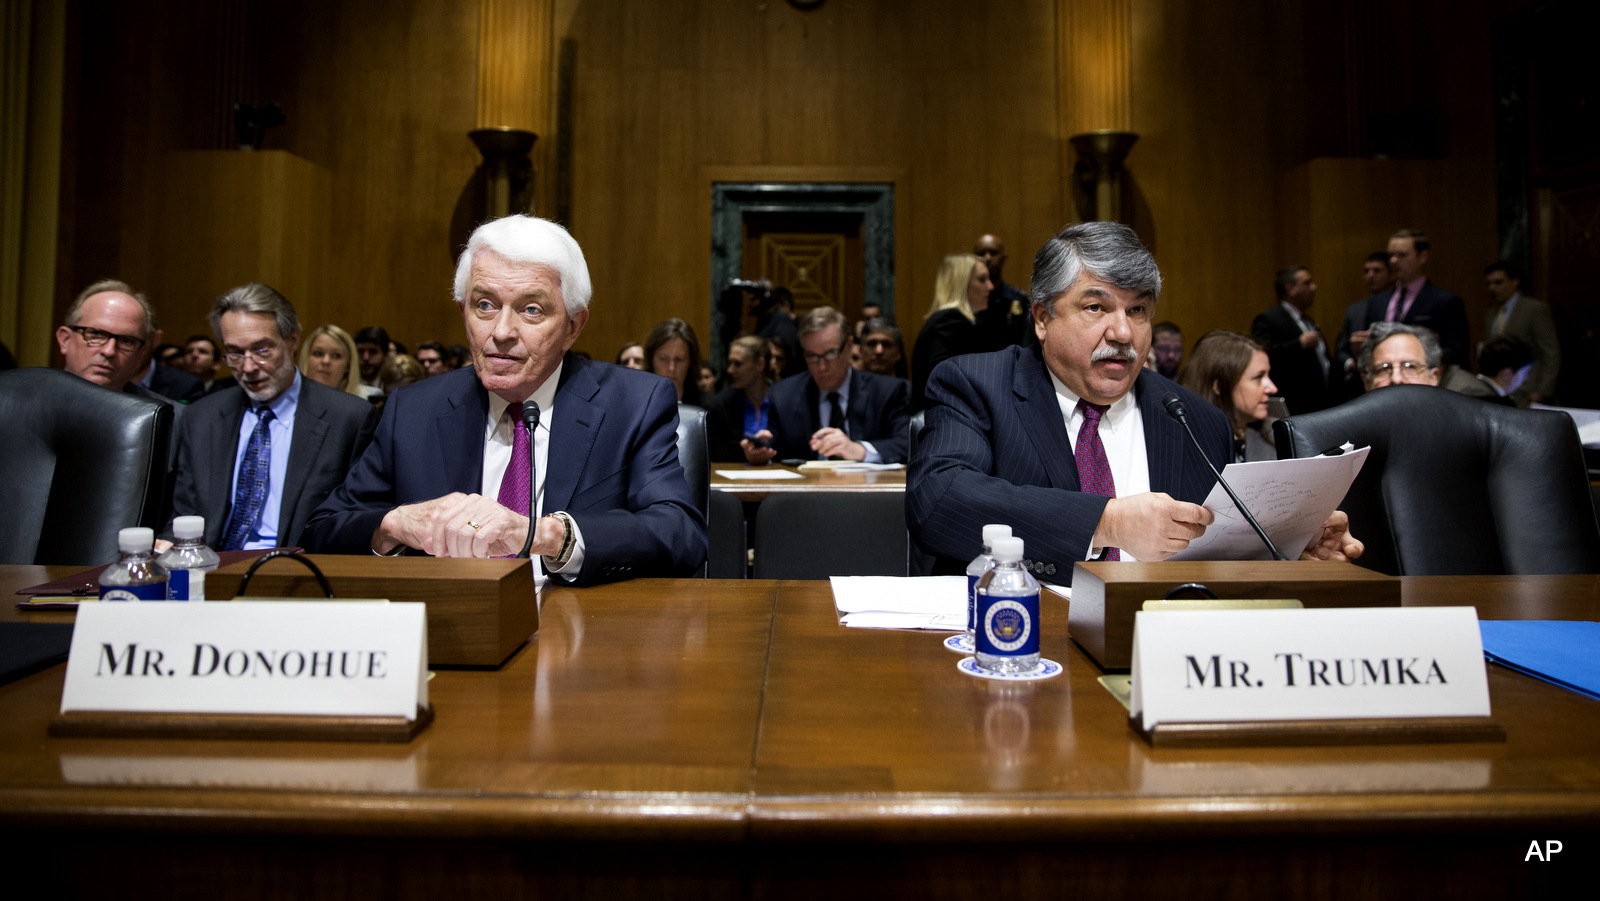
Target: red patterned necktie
{"x": 1094, "y": 470}
{"x": 516, "y": 486}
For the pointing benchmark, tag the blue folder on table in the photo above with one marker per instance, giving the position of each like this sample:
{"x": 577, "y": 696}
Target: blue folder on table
{"x": 1558, "y": 651}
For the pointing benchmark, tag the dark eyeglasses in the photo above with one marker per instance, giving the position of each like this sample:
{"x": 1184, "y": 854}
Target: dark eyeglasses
{"x": 825, "y": 357}
{"x": 97, "y": 338}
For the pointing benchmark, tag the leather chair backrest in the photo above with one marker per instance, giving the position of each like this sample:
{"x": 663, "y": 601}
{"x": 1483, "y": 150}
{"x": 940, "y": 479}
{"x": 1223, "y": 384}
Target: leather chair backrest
{"x": 817, "y": 534}
{"x": 81, "y": 462}
{"x": 1455, "y": 485}
{"x": 695, "y": 456}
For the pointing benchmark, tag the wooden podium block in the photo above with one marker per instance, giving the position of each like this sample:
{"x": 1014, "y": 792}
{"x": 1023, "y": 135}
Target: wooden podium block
{"x": 1105, "y": 596}
{"x": 479, "y": 611}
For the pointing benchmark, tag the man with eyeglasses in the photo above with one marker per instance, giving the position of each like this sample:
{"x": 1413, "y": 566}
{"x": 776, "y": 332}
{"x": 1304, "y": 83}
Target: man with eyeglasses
{"x": 108, "y": 336}
{"x": 256, "y": 458}
{"x": 1400, "y": 354}
{"x": 832, "y": 411}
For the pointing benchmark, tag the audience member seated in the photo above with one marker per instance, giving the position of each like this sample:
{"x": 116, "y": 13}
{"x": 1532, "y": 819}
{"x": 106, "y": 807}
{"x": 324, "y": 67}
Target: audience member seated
{"x": 457, "y": 356}
{"x": 1504, "y": 365}
{"x": 743, "y": 405}
{"x": 707, "y": 382}
{"x": 870, "y": 310}
{"x": 832, "y": 411}
{"x": 963, "y": 282}
{"x": 257, "y": 458}
{"x": 455, "y": 471}
{"x": 1168, "y": 348}
{"x": 1069, "y": 440}
{"x": 777, "y": 358}
{"x": 327, "y": 357}
{"x": 1232, "y": 372}
{"x": 883, "y": 349}
{"x": 631, "y": 355}
{"x": 673, "y": 352}
{"x": 1399, "y": 354}
{"x": 372, "y": 348}
{"x": 399, "y": 371}
{"x": 202, "y": 359}
{"x": 109, "y": 334}
{"x": 431, "y": 355}
{"x": 774, "y": 312}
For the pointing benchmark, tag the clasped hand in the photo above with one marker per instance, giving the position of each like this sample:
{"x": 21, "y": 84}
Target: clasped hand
{"x": 464, "y": 525}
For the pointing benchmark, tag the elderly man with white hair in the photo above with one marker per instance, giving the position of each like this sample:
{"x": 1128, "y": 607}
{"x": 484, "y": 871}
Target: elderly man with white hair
{"x": 455, "y": 469}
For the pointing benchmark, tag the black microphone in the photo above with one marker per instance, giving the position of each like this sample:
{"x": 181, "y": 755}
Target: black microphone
{"x": 1174, "y": 405}
{"x": 530, "y": 418}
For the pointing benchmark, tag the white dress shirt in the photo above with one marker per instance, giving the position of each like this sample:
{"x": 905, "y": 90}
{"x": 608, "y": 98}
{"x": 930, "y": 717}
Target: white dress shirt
{"x": 498, "y": 434}
{"x": 1122, "y": 435}
{"x": 844, "y": 404}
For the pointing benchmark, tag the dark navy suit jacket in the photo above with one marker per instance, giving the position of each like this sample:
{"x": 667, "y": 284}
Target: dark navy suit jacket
{"x": 613, "y": 466}
{"x": 878, "y": 414}
{"x": 1295, "y": 369}
{"x": 1435, "y": 308}
{"x": 994, "y": 449}
{"x": 331, "y": 430}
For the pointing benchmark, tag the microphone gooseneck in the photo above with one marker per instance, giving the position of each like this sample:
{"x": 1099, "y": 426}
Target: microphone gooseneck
{"x": 1174, "y": 406}
{"x": 530, "y": 418}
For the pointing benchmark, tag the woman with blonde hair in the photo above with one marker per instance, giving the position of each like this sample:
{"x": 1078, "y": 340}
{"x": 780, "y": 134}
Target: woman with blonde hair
{"x": 1232, "y": 371}
{"x": 327, "y": 356}
{"x": 962, "y": 285}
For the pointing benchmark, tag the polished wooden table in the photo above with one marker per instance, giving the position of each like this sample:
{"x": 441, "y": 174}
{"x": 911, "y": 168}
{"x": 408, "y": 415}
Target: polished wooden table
{"x": 752, "y": 490}
{"x": 730, "y": 739}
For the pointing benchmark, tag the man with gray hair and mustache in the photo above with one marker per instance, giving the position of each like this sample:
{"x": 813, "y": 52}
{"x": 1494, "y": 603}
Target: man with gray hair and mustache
{"x": 1068, "y": 441}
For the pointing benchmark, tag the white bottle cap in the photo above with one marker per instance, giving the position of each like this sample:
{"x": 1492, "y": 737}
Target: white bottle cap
{"x": 1007, "y": 550}
{"x": 137, "y": 540}
{"x": 188, "y": 527}
{"x": 993, "y": 531}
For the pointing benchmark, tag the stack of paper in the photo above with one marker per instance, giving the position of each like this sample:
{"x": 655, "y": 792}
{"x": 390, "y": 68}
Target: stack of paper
{"x": 1562, "y": 653}
{"x": 891, "y": 602}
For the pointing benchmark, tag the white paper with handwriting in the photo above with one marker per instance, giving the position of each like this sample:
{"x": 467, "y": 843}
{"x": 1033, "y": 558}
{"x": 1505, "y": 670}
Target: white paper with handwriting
{"x": 1290, "y": 498}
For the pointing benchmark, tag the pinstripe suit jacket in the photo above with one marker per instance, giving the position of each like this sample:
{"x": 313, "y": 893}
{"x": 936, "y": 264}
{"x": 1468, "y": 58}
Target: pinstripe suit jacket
{"x": 994, "y": 448}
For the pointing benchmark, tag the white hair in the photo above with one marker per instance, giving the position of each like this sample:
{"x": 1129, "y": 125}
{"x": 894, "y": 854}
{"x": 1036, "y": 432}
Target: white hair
{"x": 529, "y": 239}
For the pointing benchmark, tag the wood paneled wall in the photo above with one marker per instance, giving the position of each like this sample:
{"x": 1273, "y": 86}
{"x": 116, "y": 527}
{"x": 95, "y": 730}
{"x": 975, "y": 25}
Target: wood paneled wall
{"x": 963, "y": 100}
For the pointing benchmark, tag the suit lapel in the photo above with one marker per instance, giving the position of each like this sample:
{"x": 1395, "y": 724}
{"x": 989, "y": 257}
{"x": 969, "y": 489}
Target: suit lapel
{"x": 1042, "y": 420}
{"x": 1163, "y": 438}
{"x": 460, "y": 434}
{"x": 305, "y": 443}
{"x": 576, "y": 423}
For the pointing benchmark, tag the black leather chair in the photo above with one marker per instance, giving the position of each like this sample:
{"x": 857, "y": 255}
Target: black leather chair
{"x": 817, "y": 534}
{"x": 1458, "y": 486}
{"x": 81, "y": 462}
{"x": 695, "y": 455}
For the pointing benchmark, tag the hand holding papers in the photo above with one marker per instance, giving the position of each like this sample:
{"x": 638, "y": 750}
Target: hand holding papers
{"x": 1291, "y": 498}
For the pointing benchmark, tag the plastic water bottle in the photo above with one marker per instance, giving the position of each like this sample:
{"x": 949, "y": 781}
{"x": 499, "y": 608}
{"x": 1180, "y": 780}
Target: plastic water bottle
{"x": 136, "y": 576}
{"x": 975, "y": 570}
{"x": 188, "y": 560}
{"x": 1008, "y": 613}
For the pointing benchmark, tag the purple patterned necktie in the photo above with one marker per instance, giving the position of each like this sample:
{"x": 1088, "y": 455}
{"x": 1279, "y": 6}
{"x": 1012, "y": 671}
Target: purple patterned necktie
{"x": 1094, "y": 470}
{"x": 516, "y": 486}
{"x": 1397, "y": 304}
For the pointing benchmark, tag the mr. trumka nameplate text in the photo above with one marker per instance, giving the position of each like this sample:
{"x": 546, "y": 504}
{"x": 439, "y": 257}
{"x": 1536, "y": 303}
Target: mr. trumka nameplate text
{"x": 1218, "y": 666}
{"x": 328, "y": 658}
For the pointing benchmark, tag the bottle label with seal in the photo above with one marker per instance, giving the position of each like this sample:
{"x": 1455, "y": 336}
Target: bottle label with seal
{"x": 1008, "y": 625}
{"x": 155, "y": 591}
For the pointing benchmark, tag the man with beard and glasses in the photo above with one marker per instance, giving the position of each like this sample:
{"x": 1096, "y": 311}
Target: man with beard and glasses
{"x": 1068, "y": 440}
{"x": 255, "y": 459}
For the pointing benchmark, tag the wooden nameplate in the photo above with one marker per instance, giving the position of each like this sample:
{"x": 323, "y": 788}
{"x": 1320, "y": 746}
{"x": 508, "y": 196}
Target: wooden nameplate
{"x": 1105, "y": 596}
{"x": 1300, "y": 733}
{"x": 238, "y": 726}
{"x": 479, "y": 611}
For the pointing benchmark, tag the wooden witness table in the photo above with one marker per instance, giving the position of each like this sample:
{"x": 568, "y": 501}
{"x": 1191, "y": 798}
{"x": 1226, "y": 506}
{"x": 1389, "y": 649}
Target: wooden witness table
{"x": 730, "y": 739}
{"x": 752, "y": 490}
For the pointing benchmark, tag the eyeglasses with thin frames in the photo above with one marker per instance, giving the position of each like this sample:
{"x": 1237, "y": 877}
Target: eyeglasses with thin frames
{"x": 825, "y": 357}
{"x": 1410, "y": 367}
{"x": 96, "y": 338}
{"x": 262, "y": 355}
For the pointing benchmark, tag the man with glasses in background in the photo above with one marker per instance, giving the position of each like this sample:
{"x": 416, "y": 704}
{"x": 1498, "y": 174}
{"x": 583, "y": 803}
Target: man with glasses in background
{"x": 832, "y": 411}
{"x": 1400, "y": 354}
{"x": 109, "y": 335}
{"x": 255, "y": 459}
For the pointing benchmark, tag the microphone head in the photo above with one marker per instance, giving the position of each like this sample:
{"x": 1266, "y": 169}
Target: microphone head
{"x": 530, "y": 414}
{"x": 1174, "y": 405}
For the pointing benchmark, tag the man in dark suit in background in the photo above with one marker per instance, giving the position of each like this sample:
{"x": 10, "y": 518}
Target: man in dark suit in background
{"x": 999, "y": 444}
{"x": 455, "y": 470}
{"x": 1004, "y": 321}
{"x": 1416, "y": 301}
{"x": 256, "y": 458}
{"x": 831, "y": 410}
{"x": 1344, "y": 382}
{"x": 1294, "y": 345}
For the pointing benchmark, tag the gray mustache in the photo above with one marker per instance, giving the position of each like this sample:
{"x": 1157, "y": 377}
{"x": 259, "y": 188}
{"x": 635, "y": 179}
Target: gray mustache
{"x": 1115, "y": 352}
